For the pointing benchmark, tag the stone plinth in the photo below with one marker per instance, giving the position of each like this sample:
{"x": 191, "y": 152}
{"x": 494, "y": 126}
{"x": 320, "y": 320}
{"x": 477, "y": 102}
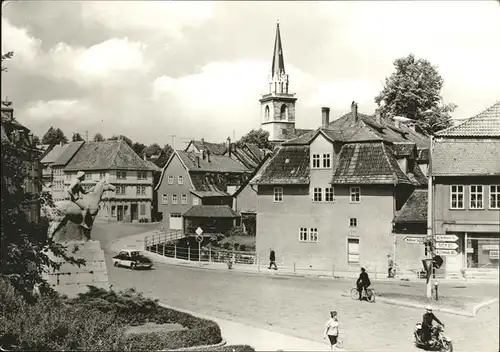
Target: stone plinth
{"x": 71, "y": 279}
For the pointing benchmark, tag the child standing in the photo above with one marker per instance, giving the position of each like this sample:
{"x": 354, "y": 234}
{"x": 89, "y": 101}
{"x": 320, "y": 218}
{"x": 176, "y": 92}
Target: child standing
{"x": 332, "y": 330}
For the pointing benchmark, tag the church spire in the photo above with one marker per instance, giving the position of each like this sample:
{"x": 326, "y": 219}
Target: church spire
{"x": 278, "y": 67}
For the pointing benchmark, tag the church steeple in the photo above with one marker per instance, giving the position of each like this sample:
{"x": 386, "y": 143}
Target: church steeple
{"x": 278, "y": 105}
{"x": 278, "y": 67}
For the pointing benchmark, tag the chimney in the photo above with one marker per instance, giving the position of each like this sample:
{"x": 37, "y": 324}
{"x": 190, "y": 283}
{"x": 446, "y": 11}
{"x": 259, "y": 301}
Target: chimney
{"x": 228, "y": 145}
{"x": 144, "y": 156}
{"x": 198, "y": 161}
{"x": 354, "y": 111}
{"x": 378, "y": 117}
{"x": 325, "y": 116}
{"x": 203, "y": 141}
{"x": 203, "y": 154}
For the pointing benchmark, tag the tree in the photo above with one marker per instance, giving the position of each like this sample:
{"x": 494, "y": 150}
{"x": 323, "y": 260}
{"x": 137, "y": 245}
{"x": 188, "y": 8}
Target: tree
{"x": 121, "y": 136}
{"x": 166, "y": 151}
{"x": 138, "y": 148}
{"x": 258, "y": 137}
{"x": 77, "y": 137}
{"x": 413, "y": 91}
{"x": 98, "y": 137}
{"x": 153, "y": 149}
{"x": 24, "y": 244}
{"x": 54, "y": 136}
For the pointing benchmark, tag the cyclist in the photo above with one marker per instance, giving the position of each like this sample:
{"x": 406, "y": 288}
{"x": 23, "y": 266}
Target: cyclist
{"x": 363, "y": 282}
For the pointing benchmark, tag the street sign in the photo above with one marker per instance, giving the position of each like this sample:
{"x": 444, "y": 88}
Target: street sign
{"x": 470, "y": 250}
{"x": 199, "y": 231}
{"x": 490, "y": 247}
{"x": 414, "y": 240}
{"x": 199, "y": 238}
{"x": 446, "y": 238}
{"x": 446, "y": 245}
{"x": 446, "y": 252}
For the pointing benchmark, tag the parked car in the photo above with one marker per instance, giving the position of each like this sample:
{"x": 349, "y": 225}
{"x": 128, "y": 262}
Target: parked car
{"x": 132, "y": 258}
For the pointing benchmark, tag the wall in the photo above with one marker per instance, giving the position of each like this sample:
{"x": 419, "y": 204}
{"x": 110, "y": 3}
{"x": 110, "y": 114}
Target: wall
{"x": 246, "y": 201}
{"x": 278, "y": 226}
{"x": 175, "y": 168}
{"x": 409, "y": 252}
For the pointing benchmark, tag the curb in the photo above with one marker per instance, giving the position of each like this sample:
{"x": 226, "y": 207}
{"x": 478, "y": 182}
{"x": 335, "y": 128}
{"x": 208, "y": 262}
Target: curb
{"x": 202, "y": 347}
{"x": 399, "y": 303}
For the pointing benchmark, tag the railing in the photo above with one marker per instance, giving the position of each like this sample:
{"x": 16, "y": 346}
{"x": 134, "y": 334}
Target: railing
{"x": 161, "y": 237}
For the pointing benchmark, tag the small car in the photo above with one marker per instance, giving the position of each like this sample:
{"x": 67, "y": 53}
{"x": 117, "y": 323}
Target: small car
{"x": 132, "y": 258}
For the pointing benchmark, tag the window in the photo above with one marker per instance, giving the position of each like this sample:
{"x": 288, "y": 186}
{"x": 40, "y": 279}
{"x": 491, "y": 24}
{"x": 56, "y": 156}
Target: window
{"x": 121, "y": 175}
{"x": 495, "y": 197}
{"x": 88, "y": 176}
{"x": 196, "y": 201}
{"x": 284, "y": 112}
{"x": 266, "y": 113}
{"x": 170, "y": 180}
{"x": 315, "y": 161}
{"x": 476, "y": 197}
{"x": 456, "y": 197}
{"x": 120, "y": 190}
{"x": 113, "y": 210}
{"x": 313, "y": 235}
{"x": 353, "y": 222}
{"x": 142, "y": 209}
{"x": 278, "y": 194}
{"x": 174, "y": 198}
{"x": 180, "y": 180}
{"x": 326, "y": 161}
{"x": 141, "y": 190}
{"x": 353, "y": 250}
{"x": 355, "y": 193}
{"x": 175, "y": 215}
{"x": 164, "y": 199}
{"x": 317, "y": 194}
{"x": 68, "y": 177}
{"x": 329, "y": 194}
{"x": 184, "y": 199}
{"x": 142, "y": 175}
{"x": 102, "y": 175}
{"x": 303, "y": 234}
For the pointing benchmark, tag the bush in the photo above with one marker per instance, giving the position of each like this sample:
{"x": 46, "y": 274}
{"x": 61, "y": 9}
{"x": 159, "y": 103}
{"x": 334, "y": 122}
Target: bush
{"x": 132, "y": 308}
{"x": 226, "y": 245}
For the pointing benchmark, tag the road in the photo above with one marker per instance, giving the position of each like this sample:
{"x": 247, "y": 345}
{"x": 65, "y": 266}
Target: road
{"x": 300, "y": 306}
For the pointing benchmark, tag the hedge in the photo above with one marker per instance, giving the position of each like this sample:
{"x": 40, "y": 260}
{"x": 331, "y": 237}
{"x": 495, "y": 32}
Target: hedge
{"x": 132, "y": 308}
{"x": 228, "y": 348}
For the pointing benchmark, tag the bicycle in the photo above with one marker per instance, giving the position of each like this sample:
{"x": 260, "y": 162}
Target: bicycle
{"x": 369, "y": 294}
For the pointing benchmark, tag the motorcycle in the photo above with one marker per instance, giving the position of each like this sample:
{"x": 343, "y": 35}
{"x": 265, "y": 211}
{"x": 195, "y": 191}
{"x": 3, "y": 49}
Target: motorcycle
{"x": 438, "y": 342}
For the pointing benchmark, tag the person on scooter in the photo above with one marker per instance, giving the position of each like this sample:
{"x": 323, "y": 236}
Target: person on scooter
{"x": 427, "y": 320}
{"x": 363, "y": 282}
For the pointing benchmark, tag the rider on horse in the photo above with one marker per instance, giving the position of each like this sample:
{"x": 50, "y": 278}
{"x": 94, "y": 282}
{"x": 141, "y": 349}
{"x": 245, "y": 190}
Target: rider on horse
{"x": 74, "y": 191}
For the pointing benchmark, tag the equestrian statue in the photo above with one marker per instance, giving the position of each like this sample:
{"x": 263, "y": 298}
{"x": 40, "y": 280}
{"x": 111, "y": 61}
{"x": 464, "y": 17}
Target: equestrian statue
{"x": 72, "y": 219}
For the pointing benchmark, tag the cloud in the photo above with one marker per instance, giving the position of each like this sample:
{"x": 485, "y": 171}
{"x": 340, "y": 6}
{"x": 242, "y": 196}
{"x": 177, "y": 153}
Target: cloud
{"x": 25, "y": 46}
{"x": 68, "y": 110}
{"x": 167, "y": 18}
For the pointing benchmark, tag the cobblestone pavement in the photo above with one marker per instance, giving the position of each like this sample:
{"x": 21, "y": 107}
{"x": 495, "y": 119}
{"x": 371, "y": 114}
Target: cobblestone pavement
{"x": 299, "y": 306}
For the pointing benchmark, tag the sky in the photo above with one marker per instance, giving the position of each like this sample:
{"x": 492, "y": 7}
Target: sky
{"x": 151, "y": 69}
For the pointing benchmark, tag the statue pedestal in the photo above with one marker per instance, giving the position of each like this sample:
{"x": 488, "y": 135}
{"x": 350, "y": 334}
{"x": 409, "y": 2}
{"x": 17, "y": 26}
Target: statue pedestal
{"x": 71, "y": 279}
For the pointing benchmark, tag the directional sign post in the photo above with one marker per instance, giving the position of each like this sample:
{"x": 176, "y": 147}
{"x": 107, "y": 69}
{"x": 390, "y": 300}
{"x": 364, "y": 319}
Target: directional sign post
{"x": 199, "y": 238}
{"x": 446, "y": 245}
{"x": 446, "y": 238}
{"x": 446, "y": 252}
{"x": 414, "y": 240}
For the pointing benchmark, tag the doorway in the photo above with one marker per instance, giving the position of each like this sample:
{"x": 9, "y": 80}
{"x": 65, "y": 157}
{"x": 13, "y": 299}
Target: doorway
{"x": 119, "y": 213}
{"x": 133, "y": 210}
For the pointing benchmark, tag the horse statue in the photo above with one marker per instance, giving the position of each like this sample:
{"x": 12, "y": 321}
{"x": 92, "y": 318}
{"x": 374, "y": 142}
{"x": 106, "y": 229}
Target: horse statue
{"x": 66, "y": 218}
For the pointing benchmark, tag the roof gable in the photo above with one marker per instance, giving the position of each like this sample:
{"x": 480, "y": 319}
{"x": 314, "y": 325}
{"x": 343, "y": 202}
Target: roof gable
{"x": 68, "y": 153}
{"x": 210, "y": 211}
{"x": 415, "y": 208}
{"x": 54, "y": 153}
{"x": 217, "y": 163}
{"x": 484, "y": 124}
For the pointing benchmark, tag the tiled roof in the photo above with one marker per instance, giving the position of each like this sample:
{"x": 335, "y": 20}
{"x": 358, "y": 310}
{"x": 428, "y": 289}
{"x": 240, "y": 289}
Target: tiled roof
{"x": 465, "y": 157}
{"x": 215, "y": 148}
{"x": 364, "y": 163}
{"x": 245, "y": 157}
{"x": 403, "y": 149}
{"x": 256, "y": 151}
{"x": 211, "y": 184}
{"x": 107, "y": 155}
{"x": 485, "y": 124}
{"x": 210, "y": 211}
{"x": 289, "y": 166}
{"x": 68, "y": 153}
{"x": 217, "y": 163}
{"x": 415, "y": 208}
{"x": 54, "y": 154}
{"x": 417, "y": 177}
{"x": 153, "y": 166}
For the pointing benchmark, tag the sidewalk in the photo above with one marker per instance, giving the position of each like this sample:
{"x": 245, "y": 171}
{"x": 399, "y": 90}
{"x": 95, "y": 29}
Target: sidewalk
{"x": 260, "y": 339}
{"x": 137, "y": 241}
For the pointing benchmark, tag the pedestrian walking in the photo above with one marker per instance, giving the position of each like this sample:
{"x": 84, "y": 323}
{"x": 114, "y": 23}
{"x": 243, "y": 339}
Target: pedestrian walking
{"x": 390, "y": 264}
{"x": 332, "y": 330}
{"x": 272, "y": 259}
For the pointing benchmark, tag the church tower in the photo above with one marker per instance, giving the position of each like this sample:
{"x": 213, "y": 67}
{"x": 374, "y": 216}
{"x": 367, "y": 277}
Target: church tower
{"x": 278, "y": 105}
